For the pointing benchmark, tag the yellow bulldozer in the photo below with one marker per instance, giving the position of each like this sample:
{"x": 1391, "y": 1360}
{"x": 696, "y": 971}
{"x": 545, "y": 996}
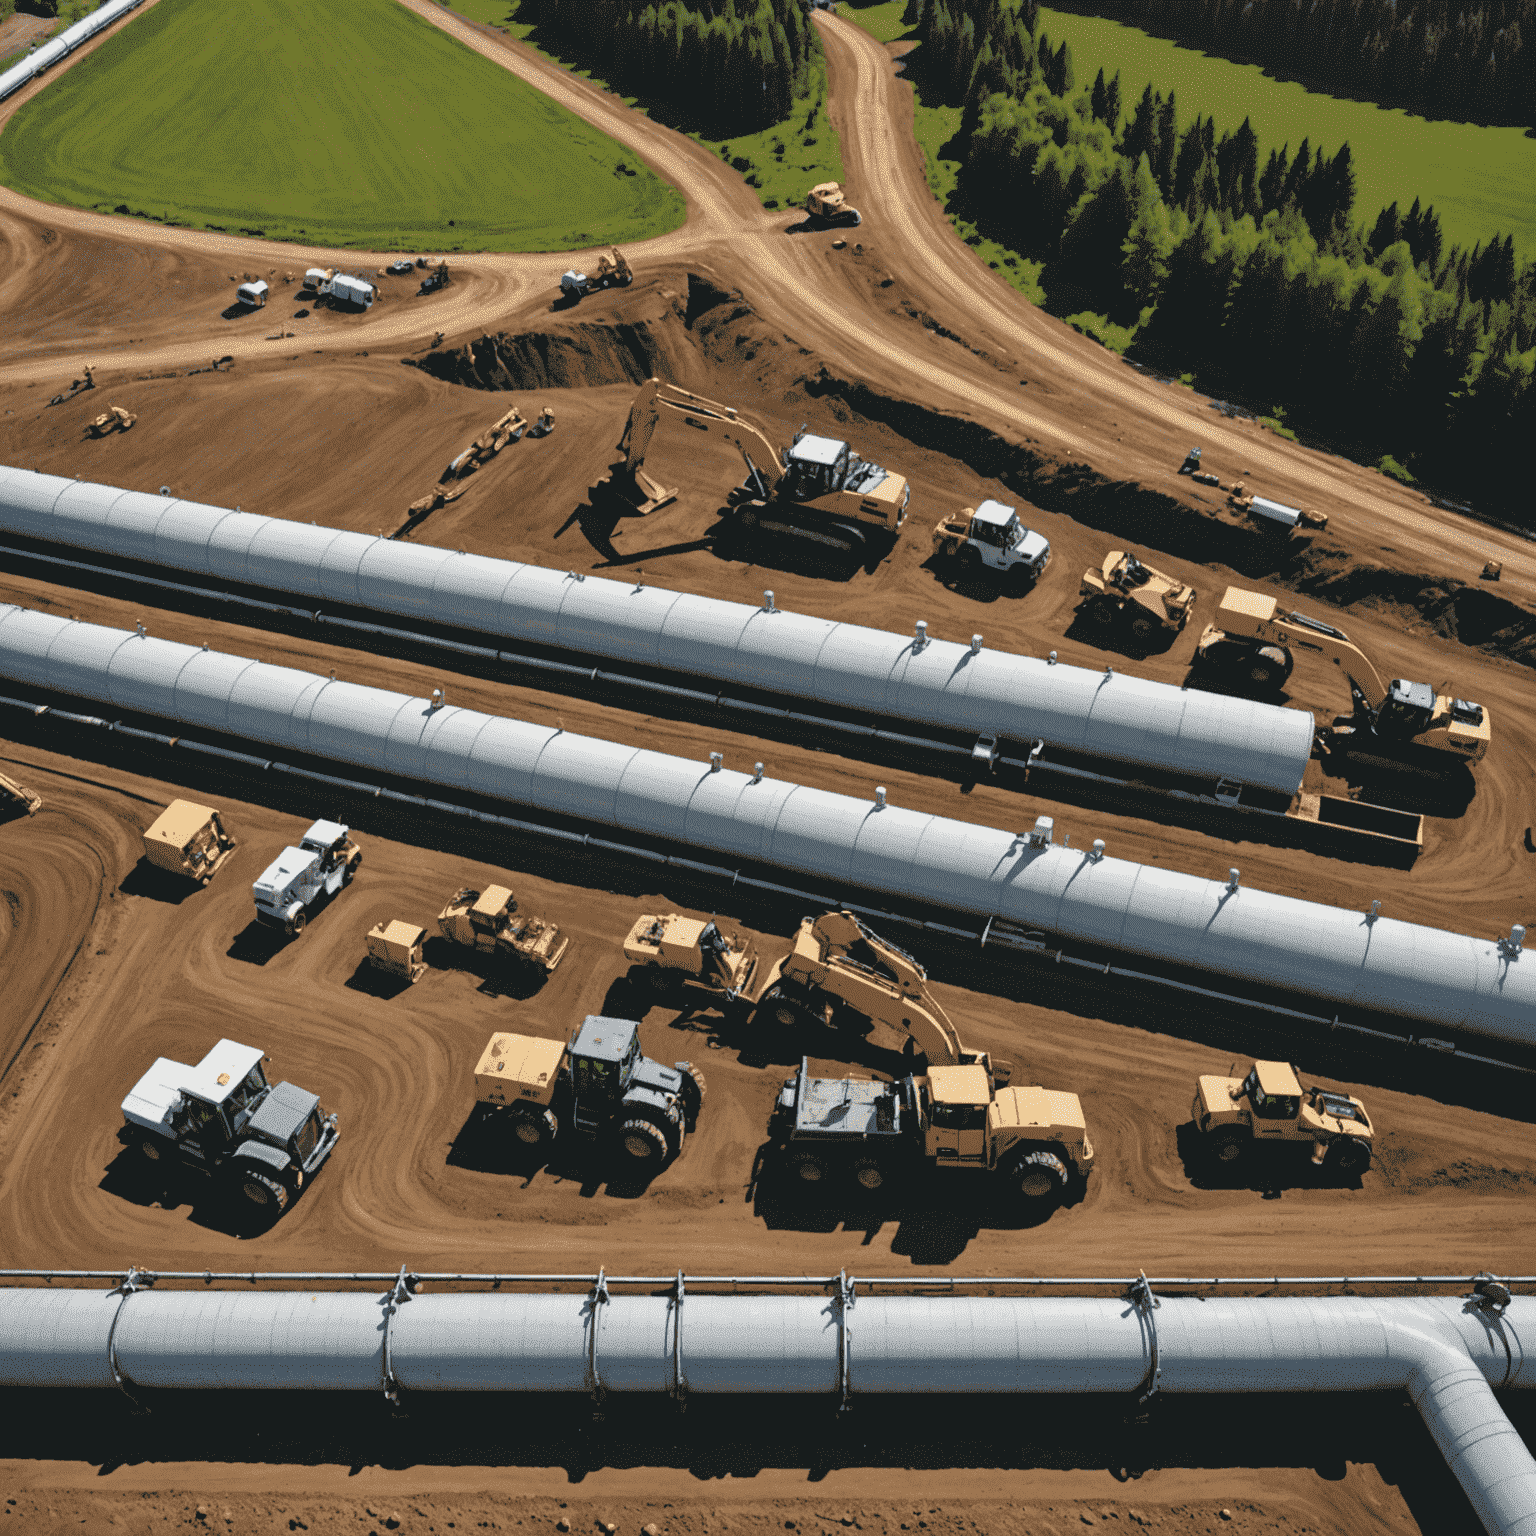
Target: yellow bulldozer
{"x": 189, "y": 840}
{"x": 1233, "y": 1115}
{"x": 827, "y": 208}
{"x": 489, "y": 923}
{"x": 1404, "y": 723}
{"x": 672, "y": 951}
{"x": 395, "y": 948}
{"x": 1127, "y": 592}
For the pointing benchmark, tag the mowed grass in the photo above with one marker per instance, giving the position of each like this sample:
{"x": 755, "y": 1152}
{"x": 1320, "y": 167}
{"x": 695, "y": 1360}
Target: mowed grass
{"x": 1480, "y": 180}
{"x": 336, "y": 122}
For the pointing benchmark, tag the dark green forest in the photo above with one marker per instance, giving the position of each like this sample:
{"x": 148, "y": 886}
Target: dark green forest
{"x": 1257, "y": 275}
{"x": 1443, "y": 58}
{"x": 715, "y": 66}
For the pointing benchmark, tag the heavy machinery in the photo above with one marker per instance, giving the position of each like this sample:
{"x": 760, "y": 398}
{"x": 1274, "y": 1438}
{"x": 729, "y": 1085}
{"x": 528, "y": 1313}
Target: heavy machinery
{"x": 827, "y": 208}
{"x": 489, "y": 922}
{"x": 395, "y": 948}
{"x": 224, "y": 1119}
{"x": 599, "y": 1087}
{"x": 1406, "y": 722}
{"x": 437, "y": 278}
{"x": 990, "y": 538}
{"x": 866, "y": 1135}
{"x": 1262, "y": 510}
{"x": 12, "y": 793}
{"x": 189, "y": 840}
{"x": 674, "y": 951}
{"x": 295, "y": 883}
{"x": 817, "y": 489}
{"x": 612, "y": 272}
{"x": 317, "y": 280}
{"x": 1233, "y": 1114}
{"x": 1127, "y": 591}
{"x": 113, "y": 419}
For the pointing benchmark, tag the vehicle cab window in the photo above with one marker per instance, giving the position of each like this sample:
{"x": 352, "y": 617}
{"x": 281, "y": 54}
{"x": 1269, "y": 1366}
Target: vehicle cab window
{"x": 960, "y": 1117}
{"x": 1274, "y": 1106}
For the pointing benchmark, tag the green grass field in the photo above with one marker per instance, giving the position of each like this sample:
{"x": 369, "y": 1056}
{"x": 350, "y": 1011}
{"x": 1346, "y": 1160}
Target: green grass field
{"x": 337, "y": 122}
{"x": 1479, "y": 179}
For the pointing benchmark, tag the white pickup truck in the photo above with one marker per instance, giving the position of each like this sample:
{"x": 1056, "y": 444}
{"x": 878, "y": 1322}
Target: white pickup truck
{"x": 299, "y": 879}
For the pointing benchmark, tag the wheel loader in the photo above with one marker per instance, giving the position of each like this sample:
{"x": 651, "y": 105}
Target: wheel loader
{"x": 1128, "y": 592}
{"x": 818, "y": 490}
{"x": 1402, "y": 723}
{"x": 827, "y": 208}
{"x": 12, "y": 793}
{"x": 613, "y": 271}
{"x": 189, "y": 840}
{"x": 113, "y": 419}
{"x": 599, "y": 1087}
{"x": 489, "y": 923}
{"x": 674, "y": 951}
{"x": 1269, "y": 1104}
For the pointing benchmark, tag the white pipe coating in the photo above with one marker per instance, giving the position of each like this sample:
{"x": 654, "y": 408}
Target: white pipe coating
{"x": 62, "y": 45}
{"x": 1487, "y": 987}
{"x": 922, "y": 679}
{"x": 1448, "y": 1353}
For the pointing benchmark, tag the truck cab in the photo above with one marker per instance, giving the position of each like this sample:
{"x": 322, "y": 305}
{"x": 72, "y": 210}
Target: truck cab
{"x": 1270, "y": 1104}
{"x": 300, "y": 878}
{"x": 991, "y": 537}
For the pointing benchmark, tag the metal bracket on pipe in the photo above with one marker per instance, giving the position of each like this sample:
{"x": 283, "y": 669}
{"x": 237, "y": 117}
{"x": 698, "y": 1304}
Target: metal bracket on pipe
{"x": 400, "y": 1293}
{"x": 846, "y": 1298}
{"x": 1490, "y": 1293}
{"x": 1146, "y": 1304}
{"x": 598, "y": 1298}
{"x": 679, "y": 1380}
{"x": 134, "y": 1281}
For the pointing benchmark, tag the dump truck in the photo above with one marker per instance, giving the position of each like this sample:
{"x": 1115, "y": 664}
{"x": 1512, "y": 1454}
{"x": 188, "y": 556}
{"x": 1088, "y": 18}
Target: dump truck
{"x": 395, "y": 948}
{"x": 293, "y": 885}
{"x": 675, "y": 951}
{"x": 831, "y": 1132}
{"x": 990, "y": 539}
{"x": 1128, "y": 592}
{"x": 599, "y": 1088}
{"x": 113, "y": 419}
{"x": 14, "y": 794}
{"x": 252, "y": 295}
{"x": 189, "y": 840}
{"x": 613, "y": 271}
{"x": 1269, "y": 1104}
{"x": 827, "y": 208}
{"x": 489, "y": 923}
{"x": 223, "y": 1118}
{"x": 1403, "y": 723}
{"x": 817, "y": 490}
{"x": 1275, "y": 513}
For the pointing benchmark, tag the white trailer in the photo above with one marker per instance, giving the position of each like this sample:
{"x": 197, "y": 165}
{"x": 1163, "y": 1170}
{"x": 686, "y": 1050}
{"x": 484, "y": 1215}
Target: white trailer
{"x": 252, "y": 295}
{"x": 318, "y": 279}
{"x": 352, "y": 290}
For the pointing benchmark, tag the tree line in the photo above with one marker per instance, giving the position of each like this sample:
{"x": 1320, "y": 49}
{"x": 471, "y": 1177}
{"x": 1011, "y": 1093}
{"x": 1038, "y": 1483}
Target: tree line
{"x": 1251, "y": 271}
{"x": 717, "y": 66}
{"x": 1472, "y": 60}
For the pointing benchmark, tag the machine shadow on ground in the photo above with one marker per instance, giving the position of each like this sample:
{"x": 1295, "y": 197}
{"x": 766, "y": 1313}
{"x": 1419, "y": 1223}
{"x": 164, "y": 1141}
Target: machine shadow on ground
{"x": 1118, "y": 638}
{"x": 1266, "y": 1170}
{"x": 256, "y": 944}
{"x": 156, "y": 884}
{"x": 372, "y": 982}
{"x": 210, "y": 1204}
{"x": 494, "y": 976}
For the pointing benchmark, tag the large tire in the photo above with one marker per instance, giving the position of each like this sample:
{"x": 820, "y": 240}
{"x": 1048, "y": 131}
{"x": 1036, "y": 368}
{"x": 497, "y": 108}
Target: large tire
{"x": 808, "y": 1169}
{"x": 264, "y": 1192}
{"x": 644, "y": 1143}
{"x": 695, "y": 1090}
{"x": 1144, "y": 627}
{"x": 1267, "y": 668}
{"x": 1229, "y": 1146}
{"x": 535, "y": 1128}
{"x": 1102, "y": 613}
{"x": 1041, "y": 1176}
{"x": 299, "y": 924}
{"x": 868, "y": 1175}
{"x": 1349, "y": 1155}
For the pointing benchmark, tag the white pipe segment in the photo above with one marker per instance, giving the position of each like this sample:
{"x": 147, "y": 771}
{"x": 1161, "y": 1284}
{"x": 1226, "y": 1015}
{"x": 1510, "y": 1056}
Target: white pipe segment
{"x": 1487, "y": 987}
{"x": 1447, "y": 1353}
{"x": 62, "y": 45}
{"x": 940, "y": 683}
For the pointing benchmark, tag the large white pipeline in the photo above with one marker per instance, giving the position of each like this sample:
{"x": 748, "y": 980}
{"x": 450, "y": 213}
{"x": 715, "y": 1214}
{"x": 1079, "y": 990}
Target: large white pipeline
{"x": 1484, "y": 986}
{"x": 983, "y": 690}
{"x": 1448, "y": 1353}
{"x": 63, "y": 45}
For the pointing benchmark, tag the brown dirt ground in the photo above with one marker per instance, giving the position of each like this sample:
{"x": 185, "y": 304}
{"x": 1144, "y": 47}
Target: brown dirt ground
{"x": 106, "y": 968}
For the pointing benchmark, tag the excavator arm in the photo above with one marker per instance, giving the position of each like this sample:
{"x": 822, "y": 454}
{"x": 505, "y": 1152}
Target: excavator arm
{"x": 1300, "y": 632}
{"x": 836, "y": 954}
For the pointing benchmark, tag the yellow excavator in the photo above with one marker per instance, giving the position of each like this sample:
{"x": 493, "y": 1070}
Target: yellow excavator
{"x": 818, "y": 489}
{"x": 1405, "y": 723}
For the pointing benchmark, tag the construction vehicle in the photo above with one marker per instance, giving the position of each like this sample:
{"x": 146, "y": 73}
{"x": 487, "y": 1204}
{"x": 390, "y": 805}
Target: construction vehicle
{"x": 506, "y": 429}
{"x": 12, "y": 793}
{"x": 674, "y": 951}
{"x": 1232, "y": 1114}
{"x": 295, "y": 883}
{"x": 317, "y": 280}
{"x": 827, "y": 208}
{"x": 613, "y": 271}
{"x": 435, "y": 279}
{"x": 402, "y": 266}
{"x": 544, "y": 423}
{"x": 868, "y": 1134}
{"x": 489, "y": 923}
{"x": 356, "y": 291}
{"x": 1405, "y": 722}
{"x": 224, "y": 1119}
{"x": 395, "y": 949}
{"x": 189, "y": 840}
{"x": 817, "y": 489}
{"x": 252, "y": 295}
{"x": 113, "y": 419}
{"x": 990, "y": 538}
{"x": 599, "y": 1087}
{"x": 1262, "y": 510}
{"x": 1129, "y": 592}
